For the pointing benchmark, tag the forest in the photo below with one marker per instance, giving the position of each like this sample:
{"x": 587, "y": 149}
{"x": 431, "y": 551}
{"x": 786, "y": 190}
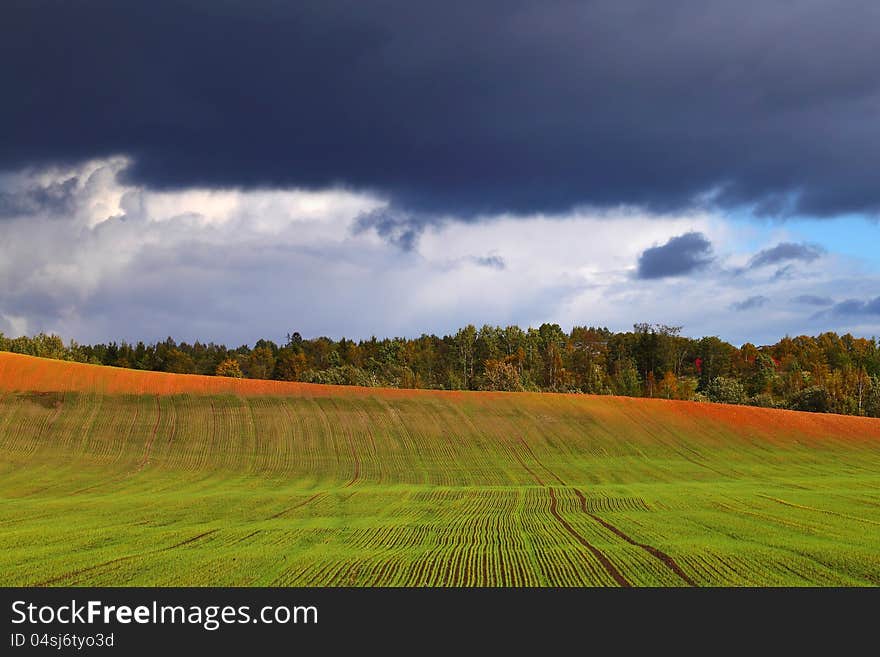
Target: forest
{"x": 828, "y": 373}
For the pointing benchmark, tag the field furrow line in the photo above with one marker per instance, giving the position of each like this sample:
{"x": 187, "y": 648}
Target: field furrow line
{"x": 88, "y": 569}
{"x": 600, "y": 556}
{"x": 189, "y": 540}
{"x": 668, "y": 561}
{"x": 149, "y": 446}
{"x": 812, "y": 508}
{"x": 48, "y": 426}
{"x": 538, "y": 461}
{"x": 528, "y": 469}
{"x": 357, "y": 462}
{"x": 81, "y": 571}
{"x": 296, "y": 506}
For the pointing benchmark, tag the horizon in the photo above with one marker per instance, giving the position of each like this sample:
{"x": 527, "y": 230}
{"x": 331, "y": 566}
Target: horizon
{"x": 281, "y": 342}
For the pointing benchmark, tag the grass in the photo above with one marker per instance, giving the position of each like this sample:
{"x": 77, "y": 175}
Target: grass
{"x": 339, "y": 486}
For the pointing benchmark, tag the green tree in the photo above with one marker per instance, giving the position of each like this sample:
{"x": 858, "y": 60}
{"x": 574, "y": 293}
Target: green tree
{"x": 726, "y": 391}
{"x": 814, "y": 398}
{"x": 625, "y": 380}
{"x": 872, "y": 398}
{"x": 178, "y": 361}
{"x": 465, "y": 341}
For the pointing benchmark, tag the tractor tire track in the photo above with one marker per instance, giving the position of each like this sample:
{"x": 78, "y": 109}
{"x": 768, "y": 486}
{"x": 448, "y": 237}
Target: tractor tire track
{"x": 246, "y": 537}
{"x": 187, "y": 541}
{"x": 657, "y": 553}
{"x": 600, "y": 556}
{"x": 538, "y": 461}
{"x": 74, "y": 573}
{"x": 89, "y": 569}
{"x": 596, "y": 552}
{"x": 528, "y": 469}
{"x": 296, "y": 506}
{"x": 812, "y": 508}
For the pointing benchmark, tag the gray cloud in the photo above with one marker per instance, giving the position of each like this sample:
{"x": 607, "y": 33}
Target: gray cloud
{"x": 750, "y": 303}
{"x": 857, "y": 307}
{"x": 786, "y": 252}
{"x": 680, "y": 255}
{"x": 784, "y": 273}
{"x": 55, "y": 197}
{"x": 813, "y": 300}
{"x": 398, "y": 228}
{"x": 491, "y": 261}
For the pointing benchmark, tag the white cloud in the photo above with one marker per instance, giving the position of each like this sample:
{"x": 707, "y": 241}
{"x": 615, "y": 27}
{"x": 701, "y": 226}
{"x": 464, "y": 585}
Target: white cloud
{"x": 95, "y": 259}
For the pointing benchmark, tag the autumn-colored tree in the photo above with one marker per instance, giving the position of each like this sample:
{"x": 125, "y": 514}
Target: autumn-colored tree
{"x": 650, "y": 384}
{"x": 291, "y": 365}
{"x": 501, "y": 375}
{"x": 229, "y": 367}
{"x": 668, "y": 386}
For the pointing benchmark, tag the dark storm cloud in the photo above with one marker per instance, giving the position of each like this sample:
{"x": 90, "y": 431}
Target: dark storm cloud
{"x": 813, "y": 300}
{"x": 680, "y": 255}
{"x": 750, "y": 303}
{"x": 460, "y": 107}
{"x": 857, "y": 307}
{"x": 787, "y": 252}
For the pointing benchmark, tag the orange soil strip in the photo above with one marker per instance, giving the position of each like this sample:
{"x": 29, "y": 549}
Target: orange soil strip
{"x": 606, "y": 563}
{"x": 668, "y": 561}
{"x": 19, "y": 373}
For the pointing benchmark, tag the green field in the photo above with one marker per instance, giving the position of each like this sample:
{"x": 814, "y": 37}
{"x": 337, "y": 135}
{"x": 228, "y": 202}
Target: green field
{"x": 505, "y": 489}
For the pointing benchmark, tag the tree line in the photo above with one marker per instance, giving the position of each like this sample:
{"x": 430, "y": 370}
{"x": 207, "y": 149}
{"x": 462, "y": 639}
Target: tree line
{"x": 826, "y": 373}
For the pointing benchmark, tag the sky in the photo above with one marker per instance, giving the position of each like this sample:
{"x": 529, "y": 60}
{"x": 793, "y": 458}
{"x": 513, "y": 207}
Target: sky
{"x": 229, "y": 171}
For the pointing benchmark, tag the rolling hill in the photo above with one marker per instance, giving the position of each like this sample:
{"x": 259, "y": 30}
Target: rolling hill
{"x": 119, "y": 477}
